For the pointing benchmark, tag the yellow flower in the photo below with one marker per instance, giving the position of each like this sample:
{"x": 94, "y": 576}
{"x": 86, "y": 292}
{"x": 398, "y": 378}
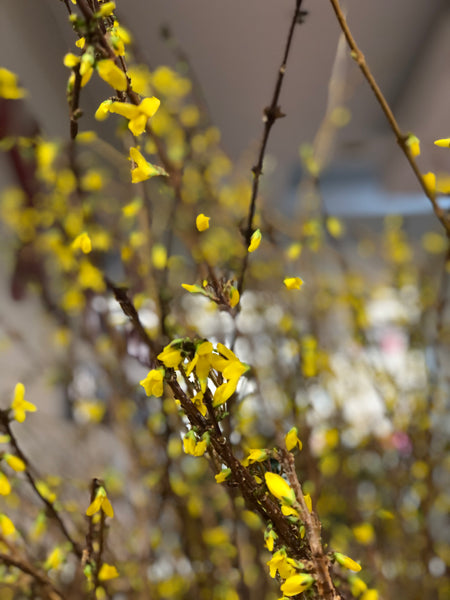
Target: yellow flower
{"x": 256, "y": 455}
{"x": 288, "y": 511}
{"x": 364, "y": 533}
{"x": 255, "y": 240}
{"x": 82, "y": 242}
{"x": 335, "y": 227}
{"x": 54, "y": 559}
{"x": 293, "y": 283}
{"x": 110, "y": 72}
{"x": 8, "y": 86}
{"x": 202, "y": 222}
{"x": 71, "y": 60}
{"x": 143, "y": 170}
{"x": 19, "y": 405}
{"x": 106, "y": 9}
{"x": 269, "y": 539}
{"x": 280, "y": 562}
{"x": 371, "y": 594}
{"x": 170, "y": 357}
{"x": 231, "y": 368}
{"x": 222, "y": 476}
{"x": 297, "y": 584}
{"x": 308, "y": 502}
{"x": 153, "y": 383}
{"x": 6, "y": 525}
{"x": 292, "y": 440}
{"x": 102, "y": 111}
{"x": 193, "y": 289}
{"x": 107, "y": 572}
{"x": 347, "y": 562}
{"x": 279, "y": 488}
{"x": 357, "y": 585}
{"x": 202, "y": 363}
{"x": 136, "y": 115}
{"x": 234, "y": 296}
{"x": 16, "y": 463}
{"x": 192, "y": 446}
{"x": 443, "y": 143}
{"x": 90, "y": 277}
{"x": 197, "y": 400}
{"x": 429, "y": 180}
{"x": 5, "y": 486}
{"x": 413, "y": 144}
{"x": 102, "y": 502}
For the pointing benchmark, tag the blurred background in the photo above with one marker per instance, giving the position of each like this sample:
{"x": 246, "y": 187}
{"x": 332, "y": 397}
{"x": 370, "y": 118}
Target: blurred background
{"x": 362, "y": 363}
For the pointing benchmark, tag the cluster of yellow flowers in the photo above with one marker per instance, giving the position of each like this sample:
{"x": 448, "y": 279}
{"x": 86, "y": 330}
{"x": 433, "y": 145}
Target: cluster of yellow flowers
{"x": 205, "y": 366}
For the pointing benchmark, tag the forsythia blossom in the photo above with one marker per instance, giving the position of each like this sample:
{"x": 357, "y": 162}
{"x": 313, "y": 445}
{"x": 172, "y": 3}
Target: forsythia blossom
{"x": 19, "y": 405}
{"x": 255, "y": 240}
{"x": 102, "y": 502}
{"x": 202, "y": 222}
{"x": 143, "y": 170}
{"x": 293, "y": 283}
{"x": 153, "y": 383}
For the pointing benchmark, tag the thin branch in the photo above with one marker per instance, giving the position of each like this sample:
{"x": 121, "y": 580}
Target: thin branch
{"x": 320, "y": 561}
{"x": 4, "y": 420}
{"x": 271, "y": 114}
{"x": 25, "y": 567}
{"x": 401, "y": 137}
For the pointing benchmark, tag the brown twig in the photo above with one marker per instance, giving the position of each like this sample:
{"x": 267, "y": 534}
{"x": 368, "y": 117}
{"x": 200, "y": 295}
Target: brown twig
{"x": 25, "y": 567}
{"x": 401, "y": 137}
{"x": 320, "y": 561}
{"x": 271, "y": 114}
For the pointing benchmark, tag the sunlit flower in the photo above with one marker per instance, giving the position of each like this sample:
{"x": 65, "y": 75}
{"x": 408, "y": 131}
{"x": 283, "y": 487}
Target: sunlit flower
{"x": 308, "y": 502}
{"x": 202, "y": 363}
{"x": 202, "y": 222}
{"x": 256, "y": 455}
{"x": 429, "y": 180}
{"x": 82, "y": 242}
{"x": 102, "y": 502}
{"x": 107, "y": 572}
{"x": 153, "y": 383}
{"x": 143, "y": 170}
{"x": 443, "y": 143}
{"x": 6, "y": 525}
{"x": 112, "y": 74}
{"x": 234, "y": 296}
{"x": 288, "y": 511}
{"x": 8, "y": 85}
{"x": 297, "y": 584}
{"x": 279, "y": 488}
{"x": 292, "y": 440}
{"x": 54, "y": 559}
{"x": 269, "y": 539}
{"x": 5, "y": 486}
{"x": 281, "y": 563}
{"x": 170, "y": 357}
{"x": 413, "y": 144}
{"x": 194, "y": 447}
{"x": 19, "y": 405}
{"x": 293, "y": 283}
{"x": 347, "y": 562}
{"x": 255, "y": 240}
{"x": 106, "y": 9}
{"x": 137, "y": 115}
{"x": 16, "y": 463}
{"x": 222, "y": 475}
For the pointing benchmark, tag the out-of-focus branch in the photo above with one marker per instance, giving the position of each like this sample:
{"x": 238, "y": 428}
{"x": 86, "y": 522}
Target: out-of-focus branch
{"x": 41, "y": 578}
